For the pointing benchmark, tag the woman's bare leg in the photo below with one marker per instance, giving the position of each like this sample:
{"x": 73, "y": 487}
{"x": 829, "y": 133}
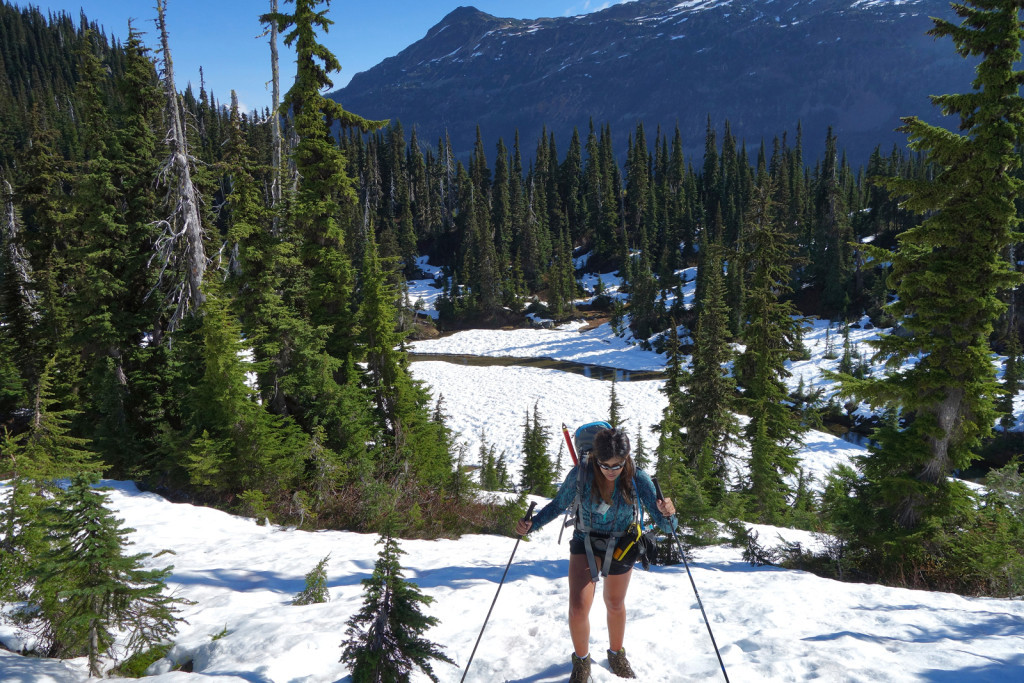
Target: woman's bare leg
{"x": 615, "y": 602}
{"x": 581, "y": 597}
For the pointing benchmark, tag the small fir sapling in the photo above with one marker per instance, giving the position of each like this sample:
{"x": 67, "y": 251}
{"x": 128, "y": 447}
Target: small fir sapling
{"x": 87, "y": 590}
{"x": 316, "y": 585}
{"x": 384, "y": 638}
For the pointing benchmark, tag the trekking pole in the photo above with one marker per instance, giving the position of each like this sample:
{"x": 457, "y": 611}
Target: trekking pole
{"x": 527, "y": 518}
{"x": 686, "y": 564}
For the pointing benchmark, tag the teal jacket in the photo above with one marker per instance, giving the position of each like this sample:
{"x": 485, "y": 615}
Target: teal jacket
{"x": 602, "y": 518}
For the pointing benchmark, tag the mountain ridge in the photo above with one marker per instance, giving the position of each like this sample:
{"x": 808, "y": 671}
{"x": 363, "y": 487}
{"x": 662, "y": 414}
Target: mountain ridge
{"x": 763, "y": 65}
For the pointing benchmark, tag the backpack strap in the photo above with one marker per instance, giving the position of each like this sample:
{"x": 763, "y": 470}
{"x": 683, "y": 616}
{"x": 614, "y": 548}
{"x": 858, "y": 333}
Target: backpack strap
{"x": 584, "y": 443}
{"x": 610, "y": 540}
{"x": 574, "y": 507}
{"x": 638, "y": 512}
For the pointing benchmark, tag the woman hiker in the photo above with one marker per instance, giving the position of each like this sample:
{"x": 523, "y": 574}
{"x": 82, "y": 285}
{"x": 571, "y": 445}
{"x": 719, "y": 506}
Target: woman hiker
{"x": 608, "y": 486}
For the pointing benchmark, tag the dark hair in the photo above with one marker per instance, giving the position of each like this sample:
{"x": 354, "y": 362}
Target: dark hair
{"x": 610, "y": 444}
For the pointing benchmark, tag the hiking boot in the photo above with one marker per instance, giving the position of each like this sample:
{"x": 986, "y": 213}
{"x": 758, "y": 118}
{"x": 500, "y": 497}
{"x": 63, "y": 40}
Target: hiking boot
{"x": 619, "y": 665}
{"x": 580, "y": 670}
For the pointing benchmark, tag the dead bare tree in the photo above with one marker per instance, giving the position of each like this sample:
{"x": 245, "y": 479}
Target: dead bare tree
{"x": 15, "y": 257}
{"x": 276, "y": 135}
{"x": 275, "y": 105}
{"x": 179, "y": 249}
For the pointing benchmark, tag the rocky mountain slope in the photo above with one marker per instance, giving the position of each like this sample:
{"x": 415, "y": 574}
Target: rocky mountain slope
{"x": 763, "y": 65}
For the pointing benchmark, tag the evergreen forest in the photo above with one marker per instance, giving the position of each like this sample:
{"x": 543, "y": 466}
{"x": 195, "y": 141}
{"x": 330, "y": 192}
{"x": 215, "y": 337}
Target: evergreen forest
{"x": 212, "y": 303}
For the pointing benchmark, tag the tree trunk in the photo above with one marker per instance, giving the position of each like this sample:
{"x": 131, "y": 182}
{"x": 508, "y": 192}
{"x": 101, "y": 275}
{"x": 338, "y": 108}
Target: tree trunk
{"x": 948, "y": 416}
{"x": 94, "y": 649}
{"x": 275, "y": 121}
{"x": 15, "y": 257}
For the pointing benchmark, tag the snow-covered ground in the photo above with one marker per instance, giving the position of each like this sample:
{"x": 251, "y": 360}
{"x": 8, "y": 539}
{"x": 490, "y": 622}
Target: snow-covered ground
{"x": 770, "y": 624}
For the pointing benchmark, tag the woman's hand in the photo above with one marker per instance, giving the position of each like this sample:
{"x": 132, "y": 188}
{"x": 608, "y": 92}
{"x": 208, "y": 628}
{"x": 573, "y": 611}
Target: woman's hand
{"x": 666, "y": 507}
{"x": 523, "y": 526}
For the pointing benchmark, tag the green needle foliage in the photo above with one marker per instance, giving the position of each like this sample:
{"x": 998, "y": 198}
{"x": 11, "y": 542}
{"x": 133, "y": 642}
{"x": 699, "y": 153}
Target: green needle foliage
{"x": 772, "y": 335}
{"x": 707, "y": 405}
{"x": 385, "y": 640}
{"x": 316, "y": 585}
{"x": 538, "y": 472}
{"x": 949, "y": 273}
{"x": 87, "y": 589}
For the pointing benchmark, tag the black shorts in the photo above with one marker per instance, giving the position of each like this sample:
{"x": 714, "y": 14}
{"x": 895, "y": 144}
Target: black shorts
{"x": 617, "y": 567}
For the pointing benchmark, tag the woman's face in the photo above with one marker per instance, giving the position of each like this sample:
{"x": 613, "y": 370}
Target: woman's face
{"x": 611, "y": 468}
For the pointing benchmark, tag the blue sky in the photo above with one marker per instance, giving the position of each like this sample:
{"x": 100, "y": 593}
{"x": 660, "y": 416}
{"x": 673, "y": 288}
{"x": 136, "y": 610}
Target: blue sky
{"x": 221, "y": 35}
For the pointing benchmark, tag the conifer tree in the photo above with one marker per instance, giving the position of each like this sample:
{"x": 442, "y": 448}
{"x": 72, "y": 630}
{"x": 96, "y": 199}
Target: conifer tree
{"x": 484, "y": 274}
{"x": 570, "y": 181}
{"x": 948, "y": 274}
{"x": 638, "y": 180}
{"x": 610, "y": 237}
{"x": 315, "y": 590}
{"x": 562, "y": 278}
{"x": 670, "y": 458}
{"x": 640, "y": 457}
{"x": 644, "y": 309}
{"x": 420, "y": 195}
{"x": 707, "y": 406}
{"x": 317, "y": 378}
{"x": 324, "y": 206}
{"x": 1012, "y": 378}
{"x": 593, "y": 197}
{"x": 129, "y": 378}
{"x": 846, "y": 362}
{"x": 12, "y": 388}
{"x": 501, "y": 206}
{"x": 235, "y": 444}
{"x": 35, "y": 462}
{"x": 384, "y": 639}
{"x": 501, "y": 473}
{"x": 49, "y": 217}
{"x": 110, "y": 283}
{"x": 537, "y": 475}
{"x": 531, "y": 235}
{"x": 772, "y": 333}
{"x": 50, "y": 450}
{"x": 832, "y": 235}
{"x": 614, "y": 406}
{"x": 488, "y": 465}
{"x": 88, "y": 589}
{"x": 553, "y": 202}
{"x": 710, "y": 185}
{"x": 408, "y": 434}
{"x": 401, "y": 200}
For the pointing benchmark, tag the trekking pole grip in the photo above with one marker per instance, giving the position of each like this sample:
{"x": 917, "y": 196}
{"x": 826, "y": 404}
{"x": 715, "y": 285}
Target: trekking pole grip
{"x": 657, "y": 491}
{"x": 529, "y": 513}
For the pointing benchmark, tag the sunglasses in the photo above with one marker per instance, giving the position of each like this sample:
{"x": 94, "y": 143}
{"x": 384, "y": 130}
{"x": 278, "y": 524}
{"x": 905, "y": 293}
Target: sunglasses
{"x": 612, "y": 468}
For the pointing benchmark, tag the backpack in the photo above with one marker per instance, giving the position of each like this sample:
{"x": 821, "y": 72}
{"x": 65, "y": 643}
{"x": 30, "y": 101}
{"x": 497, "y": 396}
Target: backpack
{"x": 584, "y": 437}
